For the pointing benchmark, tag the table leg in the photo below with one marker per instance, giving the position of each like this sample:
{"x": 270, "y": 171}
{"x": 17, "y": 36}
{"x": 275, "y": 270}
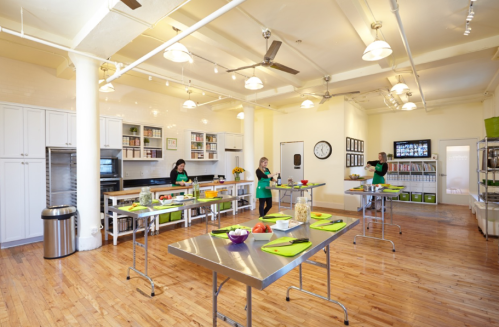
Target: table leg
{"x": 311, "y": 199}
{"x": 248, "y": 306}
{"x": 214, "y": 298}
{"x": 218, "y": 215}
{"x": 391, "y": 217}
{"x": 291, "y": 201}
{"x": 106, "y": 219}
{"x": 115, "y": 224}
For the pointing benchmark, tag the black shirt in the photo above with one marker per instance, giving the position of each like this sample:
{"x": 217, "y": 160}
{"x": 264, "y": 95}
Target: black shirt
{"x": 384, "y": 167}
{"x": 174, "y": 174}
{"x": 260, "y": 174}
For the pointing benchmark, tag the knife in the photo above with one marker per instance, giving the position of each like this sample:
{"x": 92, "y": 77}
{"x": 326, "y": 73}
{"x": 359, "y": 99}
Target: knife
{"x": 274, "y": 217}
{"x": 298, "y": 240}
{"x": 330, "y": 223}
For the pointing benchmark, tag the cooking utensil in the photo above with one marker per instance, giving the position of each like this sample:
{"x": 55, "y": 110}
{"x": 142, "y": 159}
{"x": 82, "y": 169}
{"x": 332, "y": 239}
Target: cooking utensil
{"x": 369, "y": 188}
{"x": 332, "y": 222}
{"x": 298, "y": 240}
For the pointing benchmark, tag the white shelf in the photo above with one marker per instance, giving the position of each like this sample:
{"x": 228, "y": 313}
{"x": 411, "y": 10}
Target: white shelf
{"x": 152, "y": 147}
{"x": 158, "y": 145}
{"x": 129, "y": 135}
{"x": 131, "y": 146}
{"x": 153, "y": 137}
{"x": 200, "y": 159}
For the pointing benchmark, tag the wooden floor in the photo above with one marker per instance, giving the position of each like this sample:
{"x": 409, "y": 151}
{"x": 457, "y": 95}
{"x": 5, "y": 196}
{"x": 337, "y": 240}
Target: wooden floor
{"x": 444, "y": 273}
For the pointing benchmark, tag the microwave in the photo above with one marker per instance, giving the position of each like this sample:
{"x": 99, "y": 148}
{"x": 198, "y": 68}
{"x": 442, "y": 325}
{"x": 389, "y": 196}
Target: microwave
{"x": 109, "y": 167}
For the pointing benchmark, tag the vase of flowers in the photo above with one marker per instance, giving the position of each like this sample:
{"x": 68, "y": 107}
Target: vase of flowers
{"x": 236, "y": 172}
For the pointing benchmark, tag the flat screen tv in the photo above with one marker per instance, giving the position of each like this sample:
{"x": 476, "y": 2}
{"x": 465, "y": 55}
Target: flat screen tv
{"x": 412, "y": 149}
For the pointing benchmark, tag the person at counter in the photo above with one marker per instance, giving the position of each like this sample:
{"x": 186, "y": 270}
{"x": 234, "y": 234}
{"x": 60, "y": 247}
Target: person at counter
{"x": 178, "y": 175}
{"x": 380, "y": 168}
{"x": 262, "y": 193}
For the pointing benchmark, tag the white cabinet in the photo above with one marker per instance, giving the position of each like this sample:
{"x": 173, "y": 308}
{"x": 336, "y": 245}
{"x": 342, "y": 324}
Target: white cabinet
{"x": 233, "y": 141}
{"x": 112, "y": 134}
{"x": 22, "y": 132}
{"x": 22, "y": 198}
{"x": 57, "y": 129}
{"x": 72, "y": 130}
{"x": 34, "y": 196}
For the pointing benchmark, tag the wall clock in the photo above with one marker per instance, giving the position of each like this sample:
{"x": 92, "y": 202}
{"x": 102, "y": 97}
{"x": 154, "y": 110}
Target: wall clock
{"x": 323, "y": 150}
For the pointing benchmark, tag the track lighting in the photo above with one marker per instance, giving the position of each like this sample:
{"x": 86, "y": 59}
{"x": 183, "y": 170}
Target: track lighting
{"x": 378, "y": 49}
{"x": 106, "y": 88}
{"x": 409, "y": 105}
{"x": 191, "y": 60}
{"x": 234, "y": 76}
{"x": 400, "y": 88}
{"x": 167, "y": 83}
{"x": 150, "y": 78}
{"x": 469, "y": 18}
{"x": 203, "y": 93}
{"x": 215, "y": 69}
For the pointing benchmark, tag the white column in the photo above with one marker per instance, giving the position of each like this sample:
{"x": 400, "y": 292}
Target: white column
{"x": 88, "y": 153}
{"x": 249, "y": 146}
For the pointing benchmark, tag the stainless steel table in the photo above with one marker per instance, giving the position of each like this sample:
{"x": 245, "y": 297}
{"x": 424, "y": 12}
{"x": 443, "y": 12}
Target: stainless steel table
{"x": 290, "y": 191}
{"x": 148, "y": 216}
{"x": 385, "y": 196}
{"x": 248, "y": 264}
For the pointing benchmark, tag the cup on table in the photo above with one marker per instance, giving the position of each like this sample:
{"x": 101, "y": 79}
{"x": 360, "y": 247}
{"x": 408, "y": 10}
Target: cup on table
{"x": 179, "y": 197}
{"x": 282, "y": 224}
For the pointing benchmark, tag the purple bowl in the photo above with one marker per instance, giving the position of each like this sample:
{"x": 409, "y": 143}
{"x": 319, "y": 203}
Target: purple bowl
{"x": 238, "y": 239}
{"x": 221, "y": 182}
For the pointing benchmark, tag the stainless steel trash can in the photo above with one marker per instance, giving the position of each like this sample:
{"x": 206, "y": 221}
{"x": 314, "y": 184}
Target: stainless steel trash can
{"x": 58, "y": 231}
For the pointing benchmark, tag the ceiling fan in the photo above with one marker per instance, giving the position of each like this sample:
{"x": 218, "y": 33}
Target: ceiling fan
{"x": 268, "y": 59}
{"x": 326, "y": 96}
{"x": 132, "y": 4}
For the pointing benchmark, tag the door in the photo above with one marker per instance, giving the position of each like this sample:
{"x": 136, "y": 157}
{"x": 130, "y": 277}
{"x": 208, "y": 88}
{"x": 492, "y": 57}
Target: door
{"x": 34, "y": 133}
{"x": 102, "y": 129}
{"x": 457, "y": 177}
{"x": 11, "y": 132}
{"x": 72, "y": 131}
{"x": 238, "y": 142}
{"x": 12, "y": 200}
{"x": 292, "y": 161}
{"x": 56, "y": 129}
{"x": 229, "y": 141}
{"x": 34, "y": 196}
{"x": 114, "y": 133}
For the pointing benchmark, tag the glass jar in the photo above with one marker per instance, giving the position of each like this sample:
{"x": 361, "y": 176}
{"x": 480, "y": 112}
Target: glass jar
{"x": 145, "y": 196}
{"x": 302, "y": 210}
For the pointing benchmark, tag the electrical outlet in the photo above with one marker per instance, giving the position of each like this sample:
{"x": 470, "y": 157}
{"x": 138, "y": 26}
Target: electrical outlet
{"x": 141, "y": 174}
{"x": 127, "y": 174}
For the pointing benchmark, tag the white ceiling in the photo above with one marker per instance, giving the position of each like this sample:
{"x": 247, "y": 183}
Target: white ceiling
{"x": 450, "y": 64}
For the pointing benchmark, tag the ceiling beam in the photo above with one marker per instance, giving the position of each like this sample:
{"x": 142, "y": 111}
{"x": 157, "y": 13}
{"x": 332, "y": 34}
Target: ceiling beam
{"x": 227, "y": 106}
{"x": 361, "y": 19}
{"x": 181, "y": 20}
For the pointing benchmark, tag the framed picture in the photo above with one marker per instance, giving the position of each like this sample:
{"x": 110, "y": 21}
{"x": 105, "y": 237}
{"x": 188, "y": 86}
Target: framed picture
{"x": 348, "y": 159}
{"x": 361, "y": 160}
{"x": 348, "y": 144}
{"x": 361, "y": 146}
{"x": 171, "y": 144}
{"x": 356, "y": 145}
{"x": 351, "y": 144}
{"x": 354, "y": 161}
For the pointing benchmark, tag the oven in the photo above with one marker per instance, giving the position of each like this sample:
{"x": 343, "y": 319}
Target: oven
{"x": 108, "y": 185}
{"x": 109, "y": 167}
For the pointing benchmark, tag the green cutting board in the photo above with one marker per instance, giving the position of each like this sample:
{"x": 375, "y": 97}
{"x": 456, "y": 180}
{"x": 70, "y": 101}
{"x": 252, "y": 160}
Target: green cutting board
{"x": 289, "y": 250}
{"x": 273, "y": 220}
{"x": 128, "y": 208}
{"x": 329, "y": 228}
{"x": 324, "y": 216}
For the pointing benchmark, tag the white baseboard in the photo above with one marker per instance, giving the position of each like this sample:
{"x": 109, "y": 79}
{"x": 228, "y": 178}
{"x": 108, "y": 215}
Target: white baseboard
{"x": 89, "y": 243}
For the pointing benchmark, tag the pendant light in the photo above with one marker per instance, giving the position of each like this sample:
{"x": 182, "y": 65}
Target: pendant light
{"x": 378, "y": 49}
{"x": 106, "y": 88}
{"x": 177, "y": 52}
{"x": 400, "y": 88}
{"x": 409, "y": 105}
{"x": 240, "y": 115}
{"x": 189, "y": 104}
{"x": 253, "y": 83}
{"x": 307, "y": 104}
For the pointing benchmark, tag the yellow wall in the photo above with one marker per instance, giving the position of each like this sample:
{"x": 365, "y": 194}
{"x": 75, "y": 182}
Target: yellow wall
{"x": 453, "y": 122}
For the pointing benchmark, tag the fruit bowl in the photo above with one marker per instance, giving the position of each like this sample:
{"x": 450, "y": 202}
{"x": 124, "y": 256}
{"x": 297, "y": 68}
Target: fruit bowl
{"x": 210, "y": 194}
{"x": 221, "y": 182}
{"x": 354, "y": 176}
{"x": 304, "y": 182}
{"x": 262, "y": 236}
{"x": 238, "y": 239}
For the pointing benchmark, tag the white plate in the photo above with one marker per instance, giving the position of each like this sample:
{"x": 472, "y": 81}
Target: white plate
{"x": 292, "y": 224}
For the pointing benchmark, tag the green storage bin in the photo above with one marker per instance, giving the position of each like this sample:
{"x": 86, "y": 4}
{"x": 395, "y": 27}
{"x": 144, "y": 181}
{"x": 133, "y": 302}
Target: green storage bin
{"x": 492, "y": 127}
{"x": 225, "y": 206}
{"x": 170, "y": 216}
{"x": 404, "y": 197}
{"x": 430, "y": 198}
{"x": 417, "y": 197}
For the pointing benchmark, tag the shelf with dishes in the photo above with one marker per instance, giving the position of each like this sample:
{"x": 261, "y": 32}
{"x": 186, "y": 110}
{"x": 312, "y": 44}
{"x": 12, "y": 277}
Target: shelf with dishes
{"x": 203, "y": 146}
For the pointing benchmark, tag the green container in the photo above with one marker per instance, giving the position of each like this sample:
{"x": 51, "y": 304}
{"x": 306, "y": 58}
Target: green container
{"x": 404, "y": 196}
{"x": 430, "y": 198}
{"x": 225, "y": 206}
{"x": 170, "y": 216}
{"x": 416, "y": 197}
{"x": 492, "y": 127}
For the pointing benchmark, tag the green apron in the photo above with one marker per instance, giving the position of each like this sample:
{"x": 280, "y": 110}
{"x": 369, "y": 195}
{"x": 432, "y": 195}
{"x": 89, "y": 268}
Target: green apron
{"x": 181, "y": 177}
{"x": 377, "y": 179}
{"x": 261, "y": 191}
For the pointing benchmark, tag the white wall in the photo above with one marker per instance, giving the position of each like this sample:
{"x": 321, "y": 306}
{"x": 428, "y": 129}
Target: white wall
{"x": 453, "y": 122}
{"x": 325, "y": 122}
{"x": 25, "y": 83}
{"x": 356, "y": 126}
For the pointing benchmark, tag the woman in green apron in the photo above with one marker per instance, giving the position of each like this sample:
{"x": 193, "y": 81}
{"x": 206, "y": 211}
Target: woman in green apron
{"x": 380, "y": 168}
{"x": 178, "y": 175}
{"x": 264, "y": 177}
